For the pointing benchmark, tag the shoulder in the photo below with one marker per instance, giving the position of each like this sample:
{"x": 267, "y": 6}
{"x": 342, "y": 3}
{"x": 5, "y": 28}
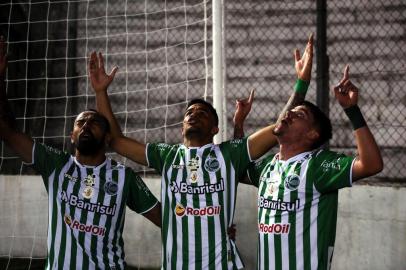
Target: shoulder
{"x": 326, "y": 159}
{"x": 161, "y": 147}
{"x": 235, "y": 143}
{"x": 49, "y": 150}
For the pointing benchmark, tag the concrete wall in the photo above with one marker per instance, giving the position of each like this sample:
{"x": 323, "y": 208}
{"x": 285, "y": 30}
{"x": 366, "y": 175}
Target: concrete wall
{"x": 371, "y": 229}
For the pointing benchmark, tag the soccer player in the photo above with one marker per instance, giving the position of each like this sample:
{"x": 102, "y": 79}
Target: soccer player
{"x": 298, "y": 187}
{"x": 88, "y": 193}
{"x": 199, "y": 180}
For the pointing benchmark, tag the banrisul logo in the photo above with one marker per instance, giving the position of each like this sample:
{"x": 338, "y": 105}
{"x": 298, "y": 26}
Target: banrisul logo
{"x": 206, "y": 188}
{"x": 292, "y": 182}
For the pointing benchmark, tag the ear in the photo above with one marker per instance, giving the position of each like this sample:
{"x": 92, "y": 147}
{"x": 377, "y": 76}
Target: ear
{"x": 71, "y": 137}
{"x": 214, "y": 130}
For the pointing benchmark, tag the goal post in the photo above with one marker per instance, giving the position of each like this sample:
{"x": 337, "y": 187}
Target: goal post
{"x": 164, "y": 53}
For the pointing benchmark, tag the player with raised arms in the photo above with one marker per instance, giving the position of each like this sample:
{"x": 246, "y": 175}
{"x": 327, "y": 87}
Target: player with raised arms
{"x": 199, "y": 178}
{"x": 87, "y": 192}
{"x": 298, "y": 187}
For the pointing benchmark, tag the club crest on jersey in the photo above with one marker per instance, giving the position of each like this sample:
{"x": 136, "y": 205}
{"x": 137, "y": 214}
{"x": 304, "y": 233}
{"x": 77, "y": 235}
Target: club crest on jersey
{"x": 292, "y": 182}
{"x": 111, "y": 188}
{"x": 212, "y": 165}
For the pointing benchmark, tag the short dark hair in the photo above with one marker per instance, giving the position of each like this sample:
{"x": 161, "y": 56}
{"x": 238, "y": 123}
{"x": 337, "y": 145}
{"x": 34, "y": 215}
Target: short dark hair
{"x": 321, "y": 122}
{"x": 101, "y": 117}
{"x": 208, "y": 105}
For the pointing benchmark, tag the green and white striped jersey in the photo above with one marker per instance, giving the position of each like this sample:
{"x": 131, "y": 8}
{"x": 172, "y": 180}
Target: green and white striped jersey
{"x": 86, "y": 209}
{"x": 297, "y": 208}
{"x": 198, "y": 196}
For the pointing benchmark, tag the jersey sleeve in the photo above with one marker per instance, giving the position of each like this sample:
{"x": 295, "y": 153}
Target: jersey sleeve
{"x": 239, "y": 154}
{"x": 156, "y": 153}
{"x": 255, "y": 168}
{"x": 46, "y": 159}
{"x": 140, "y": 198}
{"x": 331, "y": 171}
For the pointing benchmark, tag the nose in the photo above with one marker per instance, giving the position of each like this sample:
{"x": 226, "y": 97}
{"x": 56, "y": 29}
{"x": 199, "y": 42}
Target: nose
{"x": 86, "y": 124}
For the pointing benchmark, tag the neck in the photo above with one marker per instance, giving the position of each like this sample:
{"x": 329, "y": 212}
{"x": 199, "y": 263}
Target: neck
{"x": 286, "y": 151}
{"x": 196, "y": 142}
{"x": 90, "y": 160}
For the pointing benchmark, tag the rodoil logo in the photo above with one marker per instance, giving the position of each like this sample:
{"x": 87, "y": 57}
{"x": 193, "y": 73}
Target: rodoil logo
{"x": 181, "y": 211}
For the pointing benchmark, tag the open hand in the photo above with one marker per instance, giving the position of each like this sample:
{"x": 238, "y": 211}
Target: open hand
{"x": 99, "y": 79}
{"x": 304, "y": 64}
{"x": 345, "y": 91}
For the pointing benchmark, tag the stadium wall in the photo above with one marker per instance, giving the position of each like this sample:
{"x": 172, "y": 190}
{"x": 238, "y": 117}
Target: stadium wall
{"x": 370, "y": 231}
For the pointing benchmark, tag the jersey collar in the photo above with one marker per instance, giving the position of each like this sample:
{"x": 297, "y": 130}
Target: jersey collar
{"x": 90, "y": 167}
{"x": 294, "y": 158}
{"x": 198, "y": 147}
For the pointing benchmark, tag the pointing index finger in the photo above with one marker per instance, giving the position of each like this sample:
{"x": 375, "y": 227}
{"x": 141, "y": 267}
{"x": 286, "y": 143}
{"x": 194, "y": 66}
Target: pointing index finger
{"x": 251, "y": 97}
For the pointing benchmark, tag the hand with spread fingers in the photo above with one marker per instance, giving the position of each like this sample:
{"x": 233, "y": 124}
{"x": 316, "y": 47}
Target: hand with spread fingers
{"x": 345, "y": 91}
{"x": 99, "y": 79}
{"x": 304, "y": 64}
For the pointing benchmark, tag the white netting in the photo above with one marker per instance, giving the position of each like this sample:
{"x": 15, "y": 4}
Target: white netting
{"x": 163, "y": 53}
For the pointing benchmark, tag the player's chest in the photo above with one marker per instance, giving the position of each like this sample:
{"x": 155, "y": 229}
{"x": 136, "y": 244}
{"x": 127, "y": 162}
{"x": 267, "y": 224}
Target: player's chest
{"x": 89, "y": 186}
{"x": 281, "y": 181}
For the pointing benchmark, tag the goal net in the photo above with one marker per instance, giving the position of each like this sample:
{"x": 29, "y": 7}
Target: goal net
{"x": 162, "y": 49}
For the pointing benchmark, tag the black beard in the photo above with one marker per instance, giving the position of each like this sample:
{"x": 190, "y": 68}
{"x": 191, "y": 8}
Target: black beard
{"x": 89, "y": 147}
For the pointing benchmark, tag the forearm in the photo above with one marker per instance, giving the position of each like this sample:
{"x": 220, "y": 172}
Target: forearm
{"x": 16, "y": 140}
{"x": 238, "y": 131}
{"x": 261, "y": 142}
{"x": 7, "y": 118}
{"x": 369, "y": 159}
{"x": 297, "y": 97}
{"x": 104, "y": 107}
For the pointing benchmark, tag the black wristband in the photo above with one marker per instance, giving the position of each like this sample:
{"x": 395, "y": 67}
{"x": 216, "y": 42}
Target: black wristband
{"x": 355, "y": 116}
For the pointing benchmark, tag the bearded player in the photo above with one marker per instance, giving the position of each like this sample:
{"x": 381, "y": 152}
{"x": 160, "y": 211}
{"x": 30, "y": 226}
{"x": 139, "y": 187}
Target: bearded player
{"x": 87, "y": 192}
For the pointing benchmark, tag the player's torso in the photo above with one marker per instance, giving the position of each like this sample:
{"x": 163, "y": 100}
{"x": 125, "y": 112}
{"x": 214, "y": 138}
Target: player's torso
{"x": 87, "y": 208}
{"x": 198, "y": 198}
{"x": 287, "y": 215}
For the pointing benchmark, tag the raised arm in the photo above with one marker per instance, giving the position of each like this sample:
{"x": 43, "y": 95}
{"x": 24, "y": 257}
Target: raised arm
{"x": 369, "y": 159}
{"x": 242, "y": 109}
{"x": 303, "y": 66}
{"x": 19, "y": 142}
{"x": 100, "y": 81}
{"x": 261, "y": 141}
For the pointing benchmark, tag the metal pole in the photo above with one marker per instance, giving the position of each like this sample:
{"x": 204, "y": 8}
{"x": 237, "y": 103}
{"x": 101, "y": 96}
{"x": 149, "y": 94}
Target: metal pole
{"x": 218, "y": 79}
{"x": 322, "y": 58}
